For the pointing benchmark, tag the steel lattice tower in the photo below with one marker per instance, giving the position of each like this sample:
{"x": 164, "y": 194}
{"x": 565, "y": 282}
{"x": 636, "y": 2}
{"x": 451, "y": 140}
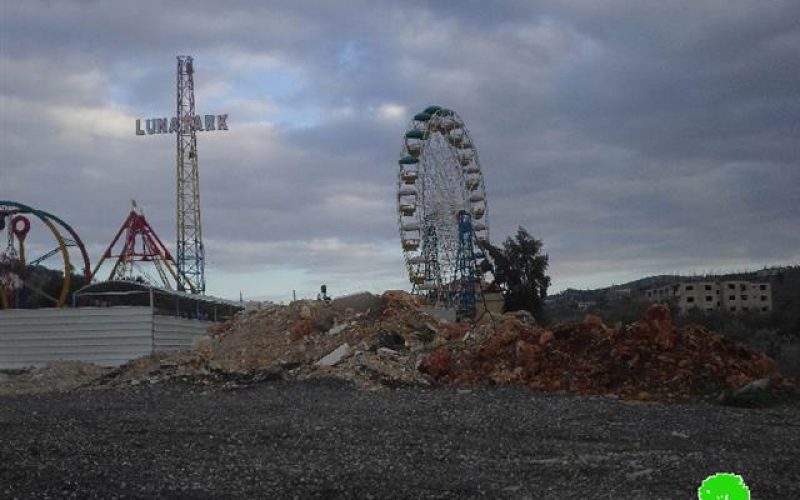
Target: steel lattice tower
{"x": 430, "y": 256}
{"x": 190, "y": 257}
{"x": 466, "y": 278}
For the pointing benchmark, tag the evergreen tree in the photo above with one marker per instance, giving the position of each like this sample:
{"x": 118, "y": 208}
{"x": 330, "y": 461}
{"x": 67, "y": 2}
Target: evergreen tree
{"x": 520, "y": 270}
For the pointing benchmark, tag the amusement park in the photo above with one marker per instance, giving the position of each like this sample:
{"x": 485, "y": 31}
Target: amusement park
{"x": 399, "y": 250}
{"x": 443, "y": 224}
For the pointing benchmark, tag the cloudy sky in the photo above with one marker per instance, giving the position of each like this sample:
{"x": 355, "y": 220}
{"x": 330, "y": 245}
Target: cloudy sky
{"x": 633, "y": 138}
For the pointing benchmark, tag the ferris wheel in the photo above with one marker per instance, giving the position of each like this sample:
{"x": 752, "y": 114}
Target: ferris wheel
{"x": 440, "y": 180}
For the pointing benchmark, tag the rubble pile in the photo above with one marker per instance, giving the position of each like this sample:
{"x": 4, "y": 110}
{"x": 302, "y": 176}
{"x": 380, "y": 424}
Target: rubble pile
{"x": 389, "y": 341}
{"x": 649, "y": 359}
{"x": 369, "y": 340}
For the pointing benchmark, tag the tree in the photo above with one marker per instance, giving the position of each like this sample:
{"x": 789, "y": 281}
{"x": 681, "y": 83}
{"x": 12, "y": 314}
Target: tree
{"x": 520, "y": 269}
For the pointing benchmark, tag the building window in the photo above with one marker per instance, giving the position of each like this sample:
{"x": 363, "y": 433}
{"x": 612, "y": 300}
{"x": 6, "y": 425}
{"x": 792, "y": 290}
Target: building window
{"x": 733, "y": 308}
{"x": 731, "y": 286}
{"x": 709, "y": 298}
{"x": 689, "y": 287}
{"x": 689, "y": 299}
{"x": 743, "y": 287}
{"x": 744, "y": 297}
{"x": 708, "y": 287}
{"x": 763, "y": 298}
{"x": 731, "y": 297}
{"x": 764, "y": 309}
{"x": 762, "y": 287}
{"x": 717, "y": 303}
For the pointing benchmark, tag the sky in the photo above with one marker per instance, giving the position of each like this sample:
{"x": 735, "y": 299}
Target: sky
{"x": 632, "y": 138}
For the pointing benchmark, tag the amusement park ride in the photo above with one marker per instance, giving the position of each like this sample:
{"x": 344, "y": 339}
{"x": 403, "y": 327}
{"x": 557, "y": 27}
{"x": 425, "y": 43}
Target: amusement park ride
{"x": 15, "y": 282}
{"x": 190, "y": 272}
{"x": 442, "y": 211}
{"x": 441, "y": 205}
{"x": 141, "y": 243}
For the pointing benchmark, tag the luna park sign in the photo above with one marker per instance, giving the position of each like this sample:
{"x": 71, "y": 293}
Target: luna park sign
{"x": 206, "y": 123}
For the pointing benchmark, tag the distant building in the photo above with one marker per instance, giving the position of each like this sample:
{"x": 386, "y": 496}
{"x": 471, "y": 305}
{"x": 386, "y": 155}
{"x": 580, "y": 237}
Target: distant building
{"x": 733, "y": 296}
{"x": 746, "y": 296}
{"x": 623, "y": 292}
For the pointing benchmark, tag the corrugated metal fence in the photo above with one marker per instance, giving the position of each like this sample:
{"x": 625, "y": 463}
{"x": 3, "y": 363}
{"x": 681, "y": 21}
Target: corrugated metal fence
{"x": 107, "y": 336}
{"x": 175, "y": 334}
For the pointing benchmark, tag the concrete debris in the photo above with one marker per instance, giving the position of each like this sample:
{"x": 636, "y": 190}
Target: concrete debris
{"x": 755, "y": 386}
{"x": 335, "y": 356}
{"x": 524, "y": 317}
{"x": 389, "y": 341}
{"x": 445, "y": 314}
{"x": 361, "y": 303}
{"x": 337, "y": 329}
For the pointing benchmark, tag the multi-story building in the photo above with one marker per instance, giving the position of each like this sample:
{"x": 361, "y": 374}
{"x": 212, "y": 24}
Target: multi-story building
{"x": 733, "y": 296}
{"x": 662, "y": 293}
{"x": 746, "y": 296}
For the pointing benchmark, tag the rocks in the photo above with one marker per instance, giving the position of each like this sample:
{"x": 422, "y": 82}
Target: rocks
{"x": 754, "y": 386}
{"x": 524, "y": 317}
{"x": 391, "y": 340}
{"x": 337, "y": 329}
{"x": 357, "y": 303}
{"x": 398, "y": 344}
{"x": 335, "y": 356}
{"x": 648, "y": 360}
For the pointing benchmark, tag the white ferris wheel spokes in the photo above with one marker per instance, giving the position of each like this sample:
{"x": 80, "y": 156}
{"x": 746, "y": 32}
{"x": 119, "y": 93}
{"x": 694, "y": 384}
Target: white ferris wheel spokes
{"x": 439, "y": 176}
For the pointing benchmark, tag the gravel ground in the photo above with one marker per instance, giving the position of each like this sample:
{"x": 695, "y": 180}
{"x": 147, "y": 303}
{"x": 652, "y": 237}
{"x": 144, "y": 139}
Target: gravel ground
{"x": 325, "y": 439}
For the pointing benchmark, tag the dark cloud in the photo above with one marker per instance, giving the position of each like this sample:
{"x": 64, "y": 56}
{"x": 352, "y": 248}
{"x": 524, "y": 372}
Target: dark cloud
{"x": 632, "y": 138}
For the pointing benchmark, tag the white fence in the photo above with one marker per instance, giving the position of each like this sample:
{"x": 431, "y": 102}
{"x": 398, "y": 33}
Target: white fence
{"x": 176, "y": 334}
{"x": 107, "y": 336}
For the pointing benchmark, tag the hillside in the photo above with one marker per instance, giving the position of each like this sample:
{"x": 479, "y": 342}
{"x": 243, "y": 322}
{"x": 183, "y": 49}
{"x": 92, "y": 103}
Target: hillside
{"x": 776, "y": 333}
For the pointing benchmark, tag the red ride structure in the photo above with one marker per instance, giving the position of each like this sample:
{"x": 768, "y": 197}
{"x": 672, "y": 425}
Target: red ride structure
{"x": 140, "y": 244}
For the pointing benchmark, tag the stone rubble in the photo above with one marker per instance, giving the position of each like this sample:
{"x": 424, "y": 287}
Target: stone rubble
{"x": 335, "y": 356}
{"x": 389, "y": 341}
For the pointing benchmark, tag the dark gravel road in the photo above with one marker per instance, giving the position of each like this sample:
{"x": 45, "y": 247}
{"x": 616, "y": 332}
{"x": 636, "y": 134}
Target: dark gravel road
{"x": 328, "y": 440}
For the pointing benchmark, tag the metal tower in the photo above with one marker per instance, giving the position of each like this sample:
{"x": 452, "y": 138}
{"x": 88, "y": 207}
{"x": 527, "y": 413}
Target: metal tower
{"x": 432, "y": 285}
{"x": 467, "y": 278}
{"x": 190, "y": 255}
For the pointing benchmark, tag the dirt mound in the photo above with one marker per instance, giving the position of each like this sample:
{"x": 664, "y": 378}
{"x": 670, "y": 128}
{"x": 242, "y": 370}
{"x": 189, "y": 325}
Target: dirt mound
{"x": 378, "y": 341}
{"x": 389, "y": 341}
{"x": 649, "y": 359}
